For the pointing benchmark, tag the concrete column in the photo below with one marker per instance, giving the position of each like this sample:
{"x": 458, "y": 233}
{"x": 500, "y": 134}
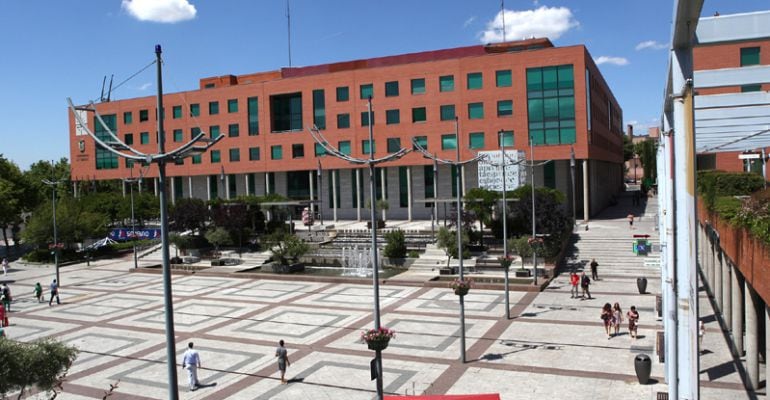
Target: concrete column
{"x": 75, "y": 189}
{"x": 586, "y": 208}
{"x": 383, "y": 188}
{"x": 737, "y": 313}
{"x": 155, "y": 183}
{"x": 409, "y": 193}
{"x": 462, "y": 178}
{"x": 208, "y": 188}
{"x": 227, "y": 186}
{"x": 123, "y": 185}
{"x": 767, "y": 342}
{"x": 359, "y": 194}
{"x": 727, "y": 298}
{"x": 718, "y": 279}
{"x": 246, "y": 183}
{"x": 335, "y": 200}
{"x": 312, "y": 193}
{"x": 267, "y": 183}
{"x": 139, "y": 186}
{"x": 173, "y": 190}
{"x": 752, "y": 337}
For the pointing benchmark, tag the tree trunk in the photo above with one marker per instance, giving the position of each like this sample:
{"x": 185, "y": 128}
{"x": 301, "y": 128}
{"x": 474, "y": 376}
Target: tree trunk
{"x": 5, "y": 238}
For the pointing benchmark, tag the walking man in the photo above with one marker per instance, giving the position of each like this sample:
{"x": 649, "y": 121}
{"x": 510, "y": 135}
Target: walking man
{"x": 283, "y": 360}
{"x": 585, "y": 282}
{"x": 54, "y": 292}
{"x": 594, "y": 266}
{"x": 191, "y": 362}
{"x": 5, "y": 266}
{"x": 574, "y": 280}
{"x": 6, "y": 296}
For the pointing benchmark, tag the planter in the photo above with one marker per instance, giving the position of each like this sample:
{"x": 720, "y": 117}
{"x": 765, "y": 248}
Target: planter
{"x": 380, "y": 224}
{"x": 283, "y": 269}
{"x": 643, "y": 367}
{"x": 523, "y": 273}
{"x": 377, "y": 345}
{"x": 217, "y": 263}
{"x": 461, "y": 291}
{"x": 641, "y": 284}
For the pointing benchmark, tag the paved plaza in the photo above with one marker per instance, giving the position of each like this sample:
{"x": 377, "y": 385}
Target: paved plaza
{"x": 553, "y": 347}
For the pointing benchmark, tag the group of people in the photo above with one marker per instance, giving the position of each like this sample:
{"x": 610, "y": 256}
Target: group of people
{"x": 583, "y": 281}
{"x": 612, "y": 317}
{"x": 6, "y": 299}
{"x": 191, "y": 361}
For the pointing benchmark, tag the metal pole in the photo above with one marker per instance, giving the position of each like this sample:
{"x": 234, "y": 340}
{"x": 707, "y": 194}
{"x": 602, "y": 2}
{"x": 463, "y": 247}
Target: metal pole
{"x": 435, "y": 197}
{"x": 133, "y": 224}
{"x": 505, "y": 228}
{"x": 375, "y": 266}
{"x": 572, "y": 170}
{"x": 320, "y": 193}
{"x": 534, "y": 225}
{"x": 173, "y": 391}
{"x": 460, "y": 238}
{"x": 55, "y": 236}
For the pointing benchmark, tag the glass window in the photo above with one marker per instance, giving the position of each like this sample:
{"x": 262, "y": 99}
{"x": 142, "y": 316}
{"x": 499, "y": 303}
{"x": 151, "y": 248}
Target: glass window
{"x": 194, "y": 132}
{"x": 343, "y": 121}
{"x": 475, "y": 81}
{"x": 476, "y": 140}
{"x": 365, "y": 146}
{"x": 422, "y": 141}
{"x": 344, "y": 147}
{"x": 319, "y": 109}
{"x": 343, "y": 94}
{"x": 508, "y": 138}
{"x": 365, "y": 118}
{"x": 749, "y": 56}
{"x": 394, "y": 145}
{"x": 391, "y": 89}
{"x": 286, "y": 112}
{"x": 367, "y": 91}
{"x": 297, "y": 150}
{"x": 253, "y": 153}
{"x": 504, "y": 108}
{"x": 213, "y": 107}
{"x": 144, "y": 115}
{"x": 214, "y": 131}
{"x": 418, "y": 86}
{"x": 232, "y": 106}
{"x": 503, "y": 78}
{"x": 129, "y": 138}
{"x": 403, "y": 187}
{"x": 195, "y": 110}
{"x": 252, "y": 105}
{"x": 144, "y": 138}
{"x": 448, "y": 112}
{"x": 196, "y": 158}
{"x": 233, "y": 130}
{"x": 276, "y": 152}
{"x": 446, "y": 83}
{"x": 551, "y": 105}
{"x": 428, "y": 182}
{"x": 419, "y": 114}
{"x": 448, "y": 142}
{"x": 319, "y": 150}
{"x": 235, "y": 155}
{"x": 751, "y": 88}
{"x": 215, "y": 156}
{"x": 128, "y": 118}
{"x": 392, "y": 117}
{"x": 475, "y": 110}
{"x": 178, "y": 135}
{"x": 176, "y": 112}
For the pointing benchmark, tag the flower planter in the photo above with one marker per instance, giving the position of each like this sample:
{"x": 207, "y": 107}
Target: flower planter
{"x": 377, "y": 345}
{"x": 523, "y": 273}
{"x": 461, "y": 291}
{"x": 380, "y": 224}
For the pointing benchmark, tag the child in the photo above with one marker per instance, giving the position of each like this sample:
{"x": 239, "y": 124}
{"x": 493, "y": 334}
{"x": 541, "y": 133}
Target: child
{"x": 633, "y": 317}
{"x": 39, "y": 292}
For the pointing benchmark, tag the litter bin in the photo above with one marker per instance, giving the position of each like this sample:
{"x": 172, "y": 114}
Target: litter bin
{"x": 641, "y": 284}
{"x": 643, "y": 367}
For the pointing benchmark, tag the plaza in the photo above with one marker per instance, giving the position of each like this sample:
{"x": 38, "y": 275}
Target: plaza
{"x": 552, "y": 347}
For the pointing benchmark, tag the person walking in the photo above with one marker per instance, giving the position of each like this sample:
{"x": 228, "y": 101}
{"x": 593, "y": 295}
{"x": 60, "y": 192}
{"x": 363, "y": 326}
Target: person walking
{"x": 606, "y": 317}
{"x": 6, "y": 296}
{"x": 630, "y": 221}
{"x": 3, "y": 316}
{"x": 54, "y": 292}
{"x": 5, "y": 266}
{"x": 594, "y": 269}
{"x": 574, "y": 280}
{"x": 617, "y": 318}
{"x": 585, "y": 282}
{"x": 39, "y": 292}
{"x": 283, "y": 360}
{"x": 191, "y": 361}
{"x": 633, "y": 318}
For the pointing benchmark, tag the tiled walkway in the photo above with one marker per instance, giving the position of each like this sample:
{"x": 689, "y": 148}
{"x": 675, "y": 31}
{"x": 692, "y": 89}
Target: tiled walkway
{"x": 554, "y": 347}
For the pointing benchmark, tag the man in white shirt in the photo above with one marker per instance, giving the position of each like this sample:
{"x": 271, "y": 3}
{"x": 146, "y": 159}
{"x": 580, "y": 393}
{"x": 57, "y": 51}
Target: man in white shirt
{"x": 191, "y": 361}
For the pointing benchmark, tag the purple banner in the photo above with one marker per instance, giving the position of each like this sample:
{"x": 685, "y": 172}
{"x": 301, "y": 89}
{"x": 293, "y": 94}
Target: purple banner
{"x": 127, "y": 233}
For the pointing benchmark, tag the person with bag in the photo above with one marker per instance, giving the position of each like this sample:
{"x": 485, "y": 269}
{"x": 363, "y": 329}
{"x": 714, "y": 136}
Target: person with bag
{"x": 574, "y": 280}
{"x": 3, "y": 316}
{"x": 585, "y": 282}
{"x": 606, "y": 317}
{"x": 54, "y": 292}
{"x": 38, "y": 291}
{"x": 633, "y": 318}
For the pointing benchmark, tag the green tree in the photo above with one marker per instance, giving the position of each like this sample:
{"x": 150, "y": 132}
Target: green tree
{"x": 14, "y": 196}
{"x": 480, "y": 202}
{"x": 286, "y": 248}
{"x": 74, "y": 223}
{"x": 551, "y": 217}
{"x": 647, "y": 151}
{"x": 146, "y": 207}
{"x": 447, "y": 240}
{"x": 235, "y": 217}
{"x": 181, "y": 242}
{"x": 50, "y": 171}
{"x": 40, "y": 365}
{"x": 628, "y": 148}
{"x": 218, "y": 237}
{"x": 189, "y": 214}
{"x": 395, "y": 246}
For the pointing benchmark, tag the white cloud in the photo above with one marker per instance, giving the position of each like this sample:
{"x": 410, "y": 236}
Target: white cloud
{"x": 611, "y": 60}
{"x": 550, "y": 22}
{"x": 469, "y": 21}
{"x": 651, "y": 44}
{"x": 164, "y": 11}
{"x": 144, "y": 86}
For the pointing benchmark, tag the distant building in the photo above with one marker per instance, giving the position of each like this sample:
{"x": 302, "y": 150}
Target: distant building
{"x": 555, "y": 94}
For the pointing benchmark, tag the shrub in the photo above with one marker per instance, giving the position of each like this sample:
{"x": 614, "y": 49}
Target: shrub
{"x": 413, "y": 254}
{"x": 713, "y": 184}
{"x": 395, "y": 246}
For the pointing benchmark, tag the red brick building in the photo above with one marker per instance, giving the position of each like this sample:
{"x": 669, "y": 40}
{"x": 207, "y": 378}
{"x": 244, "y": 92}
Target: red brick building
{"x": 526, "y": 88}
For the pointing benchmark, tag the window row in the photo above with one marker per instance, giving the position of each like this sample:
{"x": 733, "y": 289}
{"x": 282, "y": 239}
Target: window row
{"x": 252, "y": 105}
{"x": 420, "y": 114}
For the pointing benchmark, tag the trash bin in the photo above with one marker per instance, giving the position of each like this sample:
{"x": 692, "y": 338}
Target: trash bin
{"x": 641, "y": 284}
{"x": 643, "y": 367}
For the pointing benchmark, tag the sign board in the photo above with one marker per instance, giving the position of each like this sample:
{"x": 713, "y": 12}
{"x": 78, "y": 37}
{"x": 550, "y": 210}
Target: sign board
{"x": 749, "y": 156}
{"x": 80, "y": 130}
{"x": 642, "y": 247}
{"x": 491, "y": 175}
{"x": 127, "y": 233}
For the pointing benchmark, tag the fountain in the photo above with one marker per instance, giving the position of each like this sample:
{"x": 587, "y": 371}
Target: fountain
{"x": 356, "y": 262}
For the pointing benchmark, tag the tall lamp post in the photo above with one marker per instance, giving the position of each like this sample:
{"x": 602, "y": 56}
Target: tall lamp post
{"x": 532, "y": 166}
{"x": 130, "y": 181}
{"x": 320, "y": 193}
{"x": 53, "y": 183}
{"x": 457, "y": 164}
{"x": 114, "y": 145}
{"x": 371, "y": 162}
{"x": 572, "y": 171}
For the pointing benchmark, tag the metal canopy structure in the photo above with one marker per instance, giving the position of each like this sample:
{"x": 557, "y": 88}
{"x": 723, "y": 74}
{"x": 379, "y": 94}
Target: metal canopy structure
{"x": 733, "y": 121}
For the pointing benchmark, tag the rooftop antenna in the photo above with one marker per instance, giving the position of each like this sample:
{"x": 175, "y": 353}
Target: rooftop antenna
{"x": 502, "y": 12}
{"x": 104, "y": 80}
{"x": 109, "y": 91}
{"x": 288, "y": 28}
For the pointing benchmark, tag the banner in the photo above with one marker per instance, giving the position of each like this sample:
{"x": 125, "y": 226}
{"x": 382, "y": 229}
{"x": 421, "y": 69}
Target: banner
{"x": 491, "y": 176}
{"x": 127, "y": 233}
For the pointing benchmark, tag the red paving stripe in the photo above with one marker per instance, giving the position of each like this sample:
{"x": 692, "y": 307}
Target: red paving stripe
{"x": 87, "y": 391}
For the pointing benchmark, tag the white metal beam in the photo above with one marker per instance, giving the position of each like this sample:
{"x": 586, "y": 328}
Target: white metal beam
{"x": 735, "y": 27}
{"x": 732, "y": 76}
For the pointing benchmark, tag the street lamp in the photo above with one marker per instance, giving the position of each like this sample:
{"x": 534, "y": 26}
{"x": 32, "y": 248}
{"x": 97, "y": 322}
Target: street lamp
{"x": 371, "y": 162}
{"x": 534, "y": 223}
{"x": 121, "y": 149}
{"x": 53, "y": 183}
{"x": 572, "y": 170}
{"x": 320, "y": 193}
{"x": 130, "y": 181}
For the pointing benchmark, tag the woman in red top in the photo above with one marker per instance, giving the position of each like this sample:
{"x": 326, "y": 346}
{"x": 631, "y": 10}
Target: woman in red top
{"x": 3, "y": 316}
{"x": 574, "y": 280}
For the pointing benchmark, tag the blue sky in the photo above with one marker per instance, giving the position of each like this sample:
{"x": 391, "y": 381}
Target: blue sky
{"x": 52, "y": 50}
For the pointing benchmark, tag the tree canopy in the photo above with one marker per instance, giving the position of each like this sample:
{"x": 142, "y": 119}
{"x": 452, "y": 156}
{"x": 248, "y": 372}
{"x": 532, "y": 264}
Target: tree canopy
{"x": 41, "y": 365}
